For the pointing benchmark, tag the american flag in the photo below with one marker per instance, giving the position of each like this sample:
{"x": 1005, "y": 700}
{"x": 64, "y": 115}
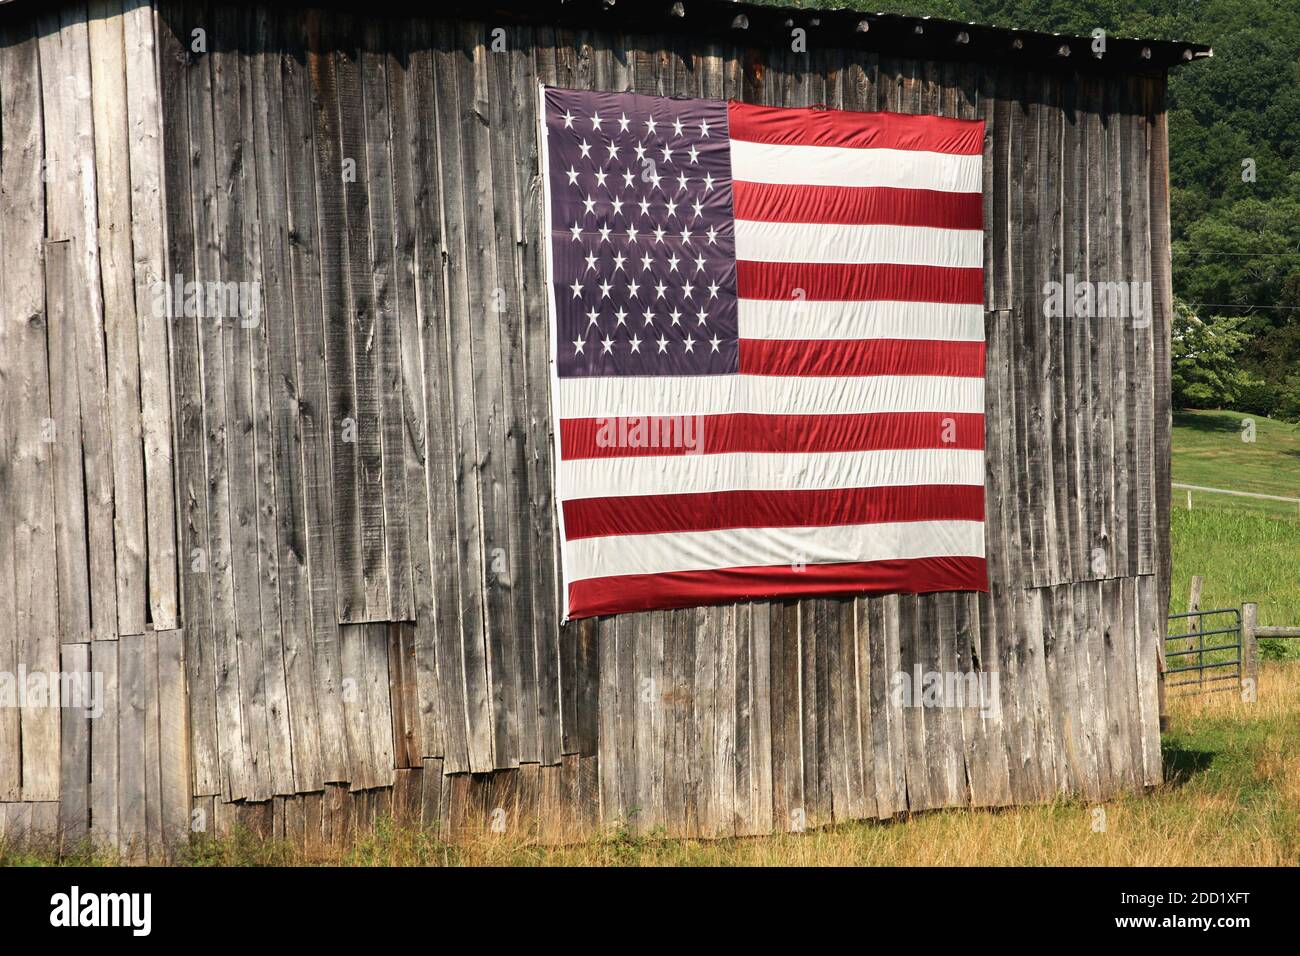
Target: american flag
{"x": 768, "y": 350}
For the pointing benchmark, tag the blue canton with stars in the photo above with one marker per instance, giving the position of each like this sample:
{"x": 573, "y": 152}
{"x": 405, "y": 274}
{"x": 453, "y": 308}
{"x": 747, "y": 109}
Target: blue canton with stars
{"x": 642, "y": 236}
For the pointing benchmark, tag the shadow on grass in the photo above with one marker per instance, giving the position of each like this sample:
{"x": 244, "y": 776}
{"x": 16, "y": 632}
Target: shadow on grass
{"x": 1182, "y": 764}
{"x": 1201, "y": 422}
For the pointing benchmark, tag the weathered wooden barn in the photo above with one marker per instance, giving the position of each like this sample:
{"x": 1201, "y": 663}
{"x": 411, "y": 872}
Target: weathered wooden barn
{"x": 276, "y": 460}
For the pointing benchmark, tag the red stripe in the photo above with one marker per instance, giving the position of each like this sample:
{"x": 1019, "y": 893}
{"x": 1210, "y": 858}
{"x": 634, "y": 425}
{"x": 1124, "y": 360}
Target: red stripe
{"x": 644, "y": 592}
{"x": 720, "y": 510}
{"x": 633, "y": 437}
{"x": 861, "y": 357}
{"x": 833, "y": 281}
{"x": 845, "y": 128}
{"x": 856, "y": 205}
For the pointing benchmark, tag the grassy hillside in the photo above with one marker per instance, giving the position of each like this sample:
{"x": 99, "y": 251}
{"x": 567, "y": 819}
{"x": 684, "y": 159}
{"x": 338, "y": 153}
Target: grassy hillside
{"x": 1247, "y": 550}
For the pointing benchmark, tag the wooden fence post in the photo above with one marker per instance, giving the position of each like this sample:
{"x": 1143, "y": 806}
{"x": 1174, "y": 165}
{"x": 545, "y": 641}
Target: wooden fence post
{"x": 1249, "y": 644}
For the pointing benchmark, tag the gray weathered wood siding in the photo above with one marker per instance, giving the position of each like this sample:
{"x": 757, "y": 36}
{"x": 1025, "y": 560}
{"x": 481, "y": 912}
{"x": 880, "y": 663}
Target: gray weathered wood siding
{"x": 366, "y": 535}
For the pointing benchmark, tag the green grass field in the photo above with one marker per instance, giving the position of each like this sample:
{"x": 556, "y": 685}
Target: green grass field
{"x": 1245, "y": 549}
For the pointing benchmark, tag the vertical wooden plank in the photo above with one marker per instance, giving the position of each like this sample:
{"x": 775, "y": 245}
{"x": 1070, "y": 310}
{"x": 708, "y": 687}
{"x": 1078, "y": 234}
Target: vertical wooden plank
{"x": 381, "y": 183}
{"x": 179, "y": 72}
{"x": 465, "y": 338}
{"x": 341, "y": 424}
{"x": 1121, "y": 439}
{"x": 173, "y": 739}
{"x": 288, "y": 637}
{"x": 144, "y": 111}
{"x": 104, "y": 750}
{"x": 867, "y": 718}
{"x": 152, "y": 750}
{"x": 1140, "y": 218}
{"x": 441, "y": 635}
{"x": 132, "y": 713}
{"x": 353, "y": 652}
{"x": 1162, "y": 304}
{"x": 361, "y": 313}
{"x": 36, "y": 321}
{"x": 406, "y": 136}
{"x": 107, "y": 79}
{"x": 242, "y": 698}
{"x": 65, "y": 52}
{"x": 379, "y": 712}
{"x": 311, "y": 408}
{"x": 1150, "y": 624}
{"x": 74, "y": 743}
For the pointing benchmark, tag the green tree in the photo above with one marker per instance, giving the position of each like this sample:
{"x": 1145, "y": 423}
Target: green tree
{"x": 1205, "y": 372}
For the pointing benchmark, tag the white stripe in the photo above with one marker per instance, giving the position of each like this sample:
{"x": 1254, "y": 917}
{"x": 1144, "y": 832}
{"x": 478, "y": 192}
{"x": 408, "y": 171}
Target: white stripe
{"x": 758, "y": 471}
{"x": 831, "y": 242}
{"x": 771, "y": 547}
{"x": 840, "y": 166}
{"x": 609, "y": 396}
{"x": 802, "y": 319}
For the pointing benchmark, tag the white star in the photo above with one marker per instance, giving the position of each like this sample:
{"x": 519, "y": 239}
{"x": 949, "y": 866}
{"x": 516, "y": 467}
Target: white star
{"x": 689, "y": 344}
{"x": 695, "y": 154}
{"x": 595, "y": 121}
{"x": 591, "y": 261}
{"x": 703, "y": 316}
{"x": 622, "y": 123}
{"x": 676, "y": 316}
{"x": 698, "y": 207}
{"x": 699, "y": 263}
{"x": 635, "y": 343}
{"x": 586, "y": 148}
{"x": 592, "y": 317}
{"x": 708, "y": 181}
{"x": 621, "y": 315}
{"x": 577, "y": 288}
{"x": 681, "y": 178}
{"x": 640, "y": 150}
{"x": 607, "y": 344}
{"x": 687, "y": 289}
{"x": 704, "y": 129}
{"x": 663, "y": 345}
{"x": 589, "y": 204}
{"x": 631, "y": 233}
{"x": 677, "y": 126}
{"x": 578, "y": 346}
{"x": 672, "y": 206}
{"x": 617, "y": 207}
{"x": 633, "y": 290}
{"x": 645, "y": 206}
{"x": 686, "y": 237}
{"x": 715, "y": 342}
{"x": 649, "y": 317}
{"x": 659, "y": 234}
{"x": 600, "y": 177}
{"x": 660, "y": 289}
{"x": 577, "y": 232}
{"x": 668, "y": 153}
{"x": 573, "y": 176}
{"x": 713, "y": 235}
{"x": 618, "y": 261}
{"x": 672, "y": 263}
{"x": 613, "y": 151}
{"x": 604, "y": 290}
{"x": 645, "y": 262}
{"x": 568, "y": 119}
{"x": 604, "y": 233}
{"x": 654, "y": 177}
{"x": 713, "y": 290}
{"x": 650, "y": 126}
{"x": 627, "y": 179}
